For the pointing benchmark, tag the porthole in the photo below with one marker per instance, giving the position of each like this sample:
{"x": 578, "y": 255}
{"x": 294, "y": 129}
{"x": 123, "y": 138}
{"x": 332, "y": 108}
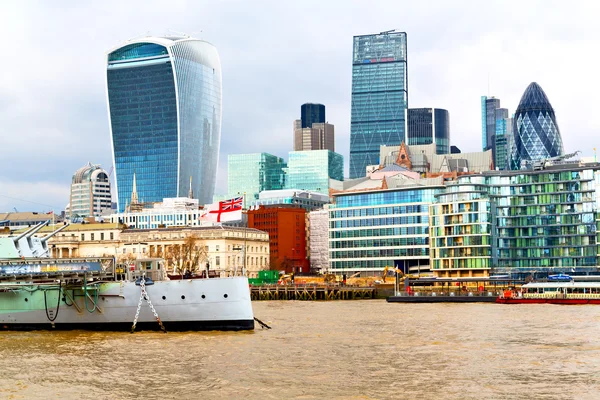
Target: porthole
{"x": 182, "y": 297}
{"x": 203, "y": 296}
{"x": 164, "y": 297}
{"x": 225, "y": 295}
{"x": 26, "y": 299}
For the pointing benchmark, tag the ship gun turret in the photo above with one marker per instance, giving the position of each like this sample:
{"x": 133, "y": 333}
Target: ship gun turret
{"x": 26, "y": 245}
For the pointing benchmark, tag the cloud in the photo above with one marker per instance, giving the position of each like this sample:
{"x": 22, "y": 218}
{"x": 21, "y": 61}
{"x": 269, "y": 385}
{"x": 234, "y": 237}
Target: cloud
{"x": 276, "y": 56}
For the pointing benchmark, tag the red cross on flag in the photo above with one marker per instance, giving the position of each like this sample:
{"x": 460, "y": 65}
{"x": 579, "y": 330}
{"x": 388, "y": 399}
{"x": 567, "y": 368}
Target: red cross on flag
{"x": 224, "y": 211}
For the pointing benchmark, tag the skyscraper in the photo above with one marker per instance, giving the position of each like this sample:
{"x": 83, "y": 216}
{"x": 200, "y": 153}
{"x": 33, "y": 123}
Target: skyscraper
{"x": 254, "y": 173}
{"x": 535, "y": 131}
{"x": 429, "y": 125}
{"x": 312, "y": 113}
{"x": 164, "y": 99}
{"x": 379, "y": 97}
{"x": 502, "y": 139}
{"x": 488, "y": 121}
{"x": 312, "y": 132}
{"x": 313, "y": 170}
{"x": 90, "y": 192}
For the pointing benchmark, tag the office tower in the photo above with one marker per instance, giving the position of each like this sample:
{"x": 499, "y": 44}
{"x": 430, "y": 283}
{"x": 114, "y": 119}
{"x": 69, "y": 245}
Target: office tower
{"x": 312, "y": 132}
{"x": 312, "y": 113}
{"x": 164, "y": 99}
{"x": 427, "y": 126}
{"x": 379, "y": 97}
{"x": 320, "y": 136}
{"x": 535, "y": 131}
{"x": 488, "y": 121}
{"x": 312, "y": 170}
{"x": 90, "y": 192}
{"x": 254, "y": 173}
{"x": 501, "y": 145}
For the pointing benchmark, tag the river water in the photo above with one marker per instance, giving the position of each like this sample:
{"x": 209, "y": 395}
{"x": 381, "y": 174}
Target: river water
{"x": 365, "y": 349}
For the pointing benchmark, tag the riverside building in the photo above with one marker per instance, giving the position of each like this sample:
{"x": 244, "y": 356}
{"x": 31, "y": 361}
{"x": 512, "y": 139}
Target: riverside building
{"x": 377, "y": 228}
{"x": 518, "y": 222}
{"x": 164, "y": 100}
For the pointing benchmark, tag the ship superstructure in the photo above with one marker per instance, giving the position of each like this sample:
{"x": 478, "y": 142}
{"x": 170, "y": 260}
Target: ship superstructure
{"x": 39, "y": 292}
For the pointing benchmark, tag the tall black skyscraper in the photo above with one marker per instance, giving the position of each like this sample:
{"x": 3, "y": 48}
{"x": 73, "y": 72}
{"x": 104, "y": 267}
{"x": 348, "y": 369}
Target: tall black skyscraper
{"x": 429, "y": 125}
{"x": 312, "y": 114}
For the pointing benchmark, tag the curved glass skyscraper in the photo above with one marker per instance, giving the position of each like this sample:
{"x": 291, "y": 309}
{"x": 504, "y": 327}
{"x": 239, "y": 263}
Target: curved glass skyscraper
{"x": 535, "y": 131}
{"x": 164, "y": 100}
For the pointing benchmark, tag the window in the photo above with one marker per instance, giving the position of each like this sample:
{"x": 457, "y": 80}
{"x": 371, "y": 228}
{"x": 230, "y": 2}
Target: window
{"x": 217, "y": 248}
{"x": 217, "y": 261}
{"x": 102, "y": 236}
{"x": 91, "y": 236}
{"x": 83, "y": 236}
{"x": 112, "y": 236}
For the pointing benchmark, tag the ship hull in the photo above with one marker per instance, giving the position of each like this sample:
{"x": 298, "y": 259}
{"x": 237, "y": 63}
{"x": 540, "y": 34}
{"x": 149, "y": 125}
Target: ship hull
{"x": 183, "y": 305}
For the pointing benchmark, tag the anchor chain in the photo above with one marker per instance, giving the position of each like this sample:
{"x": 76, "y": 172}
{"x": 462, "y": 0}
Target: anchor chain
{"x": 144, "y": 296}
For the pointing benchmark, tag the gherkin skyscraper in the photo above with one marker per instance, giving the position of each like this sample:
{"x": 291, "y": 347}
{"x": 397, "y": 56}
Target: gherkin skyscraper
{"x": 535, "y": 131}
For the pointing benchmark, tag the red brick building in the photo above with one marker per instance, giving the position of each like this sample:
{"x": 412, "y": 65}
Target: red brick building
{"x": 287, "y": 236}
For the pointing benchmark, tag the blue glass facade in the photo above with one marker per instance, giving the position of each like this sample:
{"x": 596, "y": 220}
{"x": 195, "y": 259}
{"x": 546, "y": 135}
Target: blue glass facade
{"x": 535, "y": 131}
{"x": 164, "y": 97}
{"x": 311, "y": 170}
{"x": 254, "y": 173}
{"x": 488, "y": 121}
{"x": 429, "y": 125}
{"x": 379, "y": 97}
{"x": 371, "y": 230}
{"x": 311, "y": 113}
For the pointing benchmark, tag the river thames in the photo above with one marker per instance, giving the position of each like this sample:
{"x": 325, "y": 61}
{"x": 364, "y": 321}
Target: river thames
{"x": 365, "y": 349}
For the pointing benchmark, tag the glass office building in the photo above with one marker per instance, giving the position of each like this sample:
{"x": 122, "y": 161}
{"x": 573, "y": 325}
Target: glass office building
{"x": 488, "y": 121}
{"x": 379, "y": 97}
{"x": 541, "y": 222}
{"x": 311, "y": 170}
{"x": 429, "y": 125}
{"x": 504, "y": 135}
{"x": 254, "y": 173}
{"x": 371, "y": 230}
{"x": 164, "y": 100}
{"x": 311, "y": 113}
{"x": 535, "y": 131}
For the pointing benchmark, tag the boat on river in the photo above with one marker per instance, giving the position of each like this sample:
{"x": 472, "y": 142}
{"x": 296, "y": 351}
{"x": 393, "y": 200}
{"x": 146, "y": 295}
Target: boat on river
{"x": 557, "y": 291}
{"x": 38, "y": 292}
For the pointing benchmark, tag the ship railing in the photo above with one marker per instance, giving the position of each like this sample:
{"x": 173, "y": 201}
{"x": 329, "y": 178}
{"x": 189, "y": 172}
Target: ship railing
{"x": 57, "y": 269}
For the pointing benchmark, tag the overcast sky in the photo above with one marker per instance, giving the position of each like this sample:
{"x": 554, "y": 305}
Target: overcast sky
{"x": 275, "y": 56}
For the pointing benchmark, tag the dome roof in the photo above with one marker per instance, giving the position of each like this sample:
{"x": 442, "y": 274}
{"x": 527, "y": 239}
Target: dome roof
{"x": 534, "y": 98}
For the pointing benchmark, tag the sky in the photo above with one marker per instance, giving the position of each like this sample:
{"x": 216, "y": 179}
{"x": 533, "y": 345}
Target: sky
{"x": 275, "y": 56}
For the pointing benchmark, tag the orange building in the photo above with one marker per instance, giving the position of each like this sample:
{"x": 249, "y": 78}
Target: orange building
{"x": 287, "y": 236}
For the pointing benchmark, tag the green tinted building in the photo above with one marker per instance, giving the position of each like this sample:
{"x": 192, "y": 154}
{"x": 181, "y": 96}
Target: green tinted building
{"x": 311, "y": 170}
{"x": 253, "y": 173}
{"x": 541, "y": 222}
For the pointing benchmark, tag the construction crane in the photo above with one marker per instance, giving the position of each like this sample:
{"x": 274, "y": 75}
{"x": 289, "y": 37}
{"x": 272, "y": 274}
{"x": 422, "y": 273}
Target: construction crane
{"x": 545, "y": 162}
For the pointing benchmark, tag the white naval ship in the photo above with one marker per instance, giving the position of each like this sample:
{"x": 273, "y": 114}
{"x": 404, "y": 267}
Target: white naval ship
{"x": 38, "y": 292}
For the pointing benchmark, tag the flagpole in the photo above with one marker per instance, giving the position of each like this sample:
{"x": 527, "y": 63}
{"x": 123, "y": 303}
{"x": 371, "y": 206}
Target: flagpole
{"x": 245, "y": 230}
